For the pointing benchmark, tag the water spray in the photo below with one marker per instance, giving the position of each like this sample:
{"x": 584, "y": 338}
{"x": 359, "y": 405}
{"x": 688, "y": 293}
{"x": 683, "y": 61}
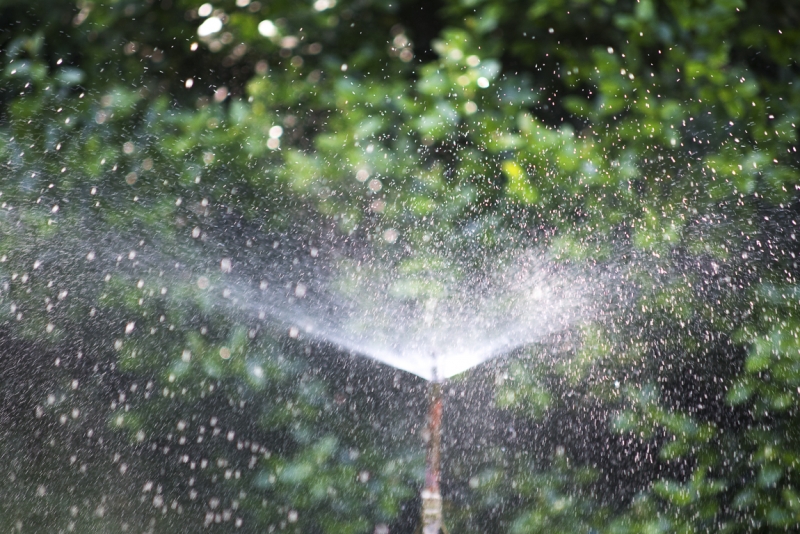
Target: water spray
{"x": 481, "y": 315}
{"x": 489, "y": 313}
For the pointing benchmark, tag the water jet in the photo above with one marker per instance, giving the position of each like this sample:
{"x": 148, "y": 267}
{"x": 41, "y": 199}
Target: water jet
{"x": 437, "y": 335}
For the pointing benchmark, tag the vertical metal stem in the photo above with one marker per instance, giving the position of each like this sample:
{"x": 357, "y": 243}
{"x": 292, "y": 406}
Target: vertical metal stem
{"x": 431, "y": 496}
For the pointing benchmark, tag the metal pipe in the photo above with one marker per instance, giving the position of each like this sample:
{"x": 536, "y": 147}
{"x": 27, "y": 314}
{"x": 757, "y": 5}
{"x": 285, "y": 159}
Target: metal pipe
{"x": 431, "y": 496}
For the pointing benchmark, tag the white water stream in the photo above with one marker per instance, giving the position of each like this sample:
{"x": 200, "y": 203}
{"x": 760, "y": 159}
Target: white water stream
{"x": 429, "y": 325}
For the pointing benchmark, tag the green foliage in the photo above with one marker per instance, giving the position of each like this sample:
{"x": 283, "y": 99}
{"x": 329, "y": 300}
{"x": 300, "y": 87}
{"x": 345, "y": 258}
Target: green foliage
{"x": 658, "y": 137}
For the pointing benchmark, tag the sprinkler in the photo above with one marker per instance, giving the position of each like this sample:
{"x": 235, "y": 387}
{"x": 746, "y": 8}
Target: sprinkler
{"x": 477, "y": 316}
{"x": 432, "y": 520}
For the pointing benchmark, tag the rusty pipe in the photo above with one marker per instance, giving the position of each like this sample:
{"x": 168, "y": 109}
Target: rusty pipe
{"x": 432, "y": 521}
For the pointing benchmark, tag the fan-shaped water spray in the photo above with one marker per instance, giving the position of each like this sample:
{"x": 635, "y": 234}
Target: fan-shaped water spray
{"x": 435, "y": 322}
{"x": 424, "y": 323}
{"x": 418, "y": 322}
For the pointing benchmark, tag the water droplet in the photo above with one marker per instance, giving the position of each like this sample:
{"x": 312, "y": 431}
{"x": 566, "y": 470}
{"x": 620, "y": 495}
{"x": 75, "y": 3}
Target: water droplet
{"x": 210, "y": 26}
{"x": 267, "y": 28}
{"x": 300, "y": 290}
{"x": 390, "y": 235}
